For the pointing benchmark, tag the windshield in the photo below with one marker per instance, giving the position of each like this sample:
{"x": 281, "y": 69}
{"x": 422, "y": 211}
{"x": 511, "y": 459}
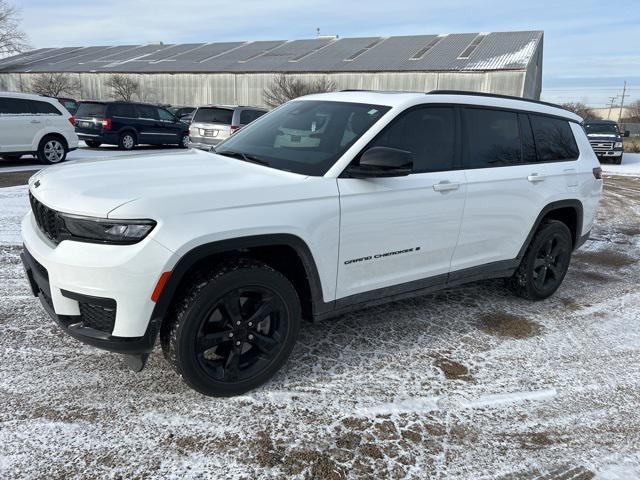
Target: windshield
{"x": 304, "y": 136}
{"x": 601, "y": 128}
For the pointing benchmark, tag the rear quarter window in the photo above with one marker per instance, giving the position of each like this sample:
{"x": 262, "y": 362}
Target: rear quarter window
{"x": 88, "y": 109}
{"x": 213, "y": 115}
{"x": 44, "y": 108}
{"x": 554, "y": 139}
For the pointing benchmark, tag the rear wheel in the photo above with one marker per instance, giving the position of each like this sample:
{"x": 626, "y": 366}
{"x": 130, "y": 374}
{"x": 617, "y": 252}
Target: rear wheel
{"x": 233, "y": 328}
{"x": 92, "y": 143}
{"x": 127, "y": 141}
{"x": 51, "y": 150}
{"x": 184, "y": 141}
{"x": 545, "y": 262}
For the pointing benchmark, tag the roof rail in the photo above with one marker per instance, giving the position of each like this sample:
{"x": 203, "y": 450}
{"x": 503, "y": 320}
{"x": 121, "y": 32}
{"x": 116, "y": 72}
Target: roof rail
{"x": 494, "y": 95}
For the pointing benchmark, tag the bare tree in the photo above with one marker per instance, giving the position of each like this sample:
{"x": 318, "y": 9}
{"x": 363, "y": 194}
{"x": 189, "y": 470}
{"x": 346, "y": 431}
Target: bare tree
{"x": 12, "y": 39}
{"x": 55, "y": 84}
{"x": 123, "y": 87}
{"x": 579, "y": 108}
{"x": 284, "y": 88}
{"x": 633, "y": 111}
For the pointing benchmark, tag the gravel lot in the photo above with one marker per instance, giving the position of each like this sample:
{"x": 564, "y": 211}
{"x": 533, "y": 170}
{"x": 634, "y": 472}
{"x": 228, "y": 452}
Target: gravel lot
{"x": 467, "y": 383}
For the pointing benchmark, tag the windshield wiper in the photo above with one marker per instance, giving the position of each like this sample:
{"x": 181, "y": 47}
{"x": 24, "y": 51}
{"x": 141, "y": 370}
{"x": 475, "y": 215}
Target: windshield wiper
{"x": 247, "y": 157}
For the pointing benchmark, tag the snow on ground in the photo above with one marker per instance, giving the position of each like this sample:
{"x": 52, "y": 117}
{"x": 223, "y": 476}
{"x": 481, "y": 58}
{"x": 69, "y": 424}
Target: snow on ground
{"x": 466, "y": 383}
{"x": 27, "y": 162}
{"x": 14, "y": 204}
{"x": 630, "y": 165}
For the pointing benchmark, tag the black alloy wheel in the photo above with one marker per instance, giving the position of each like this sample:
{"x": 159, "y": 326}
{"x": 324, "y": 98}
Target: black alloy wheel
{"x": 233, "y": 328}
{"x": 545, "y": 262}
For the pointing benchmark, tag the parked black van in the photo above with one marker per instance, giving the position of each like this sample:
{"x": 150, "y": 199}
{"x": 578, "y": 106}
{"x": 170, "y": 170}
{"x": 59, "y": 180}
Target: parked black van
{"x": 128, "y": 124}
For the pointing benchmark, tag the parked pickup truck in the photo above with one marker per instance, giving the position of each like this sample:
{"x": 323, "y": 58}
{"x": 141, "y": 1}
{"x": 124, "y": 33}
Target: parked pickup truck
{"x": 605, "y": 139}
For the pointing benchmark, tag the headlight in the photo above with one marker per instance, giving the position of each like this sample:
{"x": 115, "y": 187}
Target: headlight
{"x": 617, "y": 145}
{"x": 102, "y": 230}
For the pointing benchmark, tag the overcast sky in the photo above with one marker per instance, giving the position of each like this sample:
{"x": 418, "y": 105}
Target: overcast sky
{"x": 590, "y": 47}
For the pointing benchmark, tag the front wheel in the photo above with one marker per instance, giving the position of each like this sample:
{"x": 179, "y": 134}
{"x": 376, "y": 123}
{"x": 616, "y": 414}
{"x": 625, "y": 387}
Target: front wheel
{"x": 545, "y": 262}
{"x": 51, "y": 150}
{"x": 184, "y": 141}
{"x": 233, "y": 328}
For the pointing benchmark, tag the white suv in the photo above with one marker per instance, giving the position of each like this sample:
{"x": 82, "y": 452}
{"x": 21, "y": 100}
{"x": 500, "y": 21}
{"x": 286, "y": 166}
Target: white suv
{"x": 36, "y": 125}
{"x": 329, "y": 203}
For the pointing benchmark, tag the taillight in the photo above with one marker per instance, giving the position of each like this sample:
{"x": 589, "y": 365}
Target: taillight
{"x": 106, "y": 124}
{"x": 234, "y": 128}
{"x": 72, "y": 120}
{"x": 597, "y": 173}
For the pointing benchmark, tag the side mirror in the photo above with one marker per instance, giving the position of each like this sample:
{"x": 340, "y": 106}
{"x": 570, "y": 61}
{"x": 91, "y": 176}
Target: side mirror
{"x": 626, "y": 133}
{"x": 382, "y": 162}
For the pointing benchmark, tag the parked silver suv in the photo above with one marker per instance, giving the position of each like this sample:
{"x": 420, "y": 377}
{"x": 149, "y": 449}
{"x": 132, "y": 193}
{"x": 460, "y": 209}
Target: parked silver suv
{"x": 212, "y": 124}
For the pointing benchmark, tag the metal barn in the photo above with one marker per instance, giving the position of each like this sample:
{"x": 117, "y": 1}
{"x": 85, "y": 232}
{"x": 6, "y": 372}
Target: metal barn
{"x": 507, "y": 63}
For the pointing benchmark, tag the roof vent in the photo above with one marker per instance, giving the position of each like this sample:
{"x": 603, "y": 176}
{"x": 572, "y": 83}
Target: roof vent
{"x": 423, "y": 51}
{"x": 466, "y": 53}
{"x": 351, "y": 58}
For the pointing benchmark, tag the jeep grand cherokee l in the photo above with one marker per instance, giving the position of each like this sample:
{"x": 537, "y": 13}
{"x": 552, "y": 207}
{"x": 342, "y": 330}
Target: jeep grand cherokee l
{"x": 328, "y": 203}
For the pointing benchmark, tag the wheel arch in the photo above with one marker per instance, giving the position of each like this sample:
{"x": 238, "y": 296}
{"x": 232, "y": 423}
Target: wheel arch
{"x": 570, "y": 212}
{"x": 287, "y": 253}
{"x": 57, "y": 135}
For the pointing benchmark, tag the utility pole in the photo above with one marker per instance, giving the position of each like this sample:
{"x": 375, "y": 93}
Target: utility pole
{"x": 613, "y": 99}
{"x": 624, "y": 94}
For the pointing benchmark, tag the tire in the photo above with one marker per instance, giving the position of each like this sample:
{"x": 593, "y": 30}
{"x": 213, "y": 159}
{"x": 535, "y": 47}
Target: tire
{"x": 545, "y": 263}
{"x": 51, "y": 150}
{"x": 127, "y": 141}
{"x": 184, "y": 141}
{"x": 210, "y": 338}
{"x": 93, "y": 143}
{"x": 618, "y": 161}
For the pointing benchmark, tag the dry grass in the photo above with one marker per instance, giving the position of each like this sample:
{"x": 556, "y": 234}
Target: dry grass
{"x": 507, "y": 325}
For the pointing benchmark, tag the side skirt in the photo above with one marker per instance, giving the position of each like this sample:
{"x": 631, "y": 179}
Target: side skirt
{"x": 501, "y": 269}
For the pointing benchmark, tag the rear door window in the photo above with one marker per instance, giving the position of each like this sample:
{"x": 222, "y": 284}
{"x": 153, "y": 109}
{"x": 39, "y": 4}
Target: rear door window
{"x": 492, "y": 138}
{"x": 43, "y": 108}
{"x": 427, "y": 132}
{"x": 14, "y": 106}
{"x": 88, "y": 109}
{"x": 554, "y": 139}
{"x": 213, "y": 115}
{"x": 123, "y": 110}
{"x": 248, "y": 116}
{"x": 147, "y": 112}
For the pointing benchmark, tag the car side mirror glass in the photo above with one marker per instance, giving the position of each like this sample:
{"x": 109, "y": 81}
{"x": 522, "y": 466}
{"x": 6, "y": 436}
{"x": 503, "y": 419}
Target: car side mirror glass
{"x": 382, "y": 162}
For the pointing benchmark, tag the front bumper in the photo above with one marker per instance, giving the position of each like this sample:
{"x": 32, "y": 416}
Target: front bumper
{"x": 610, "y": 153}
{"x": 73, "y": 275}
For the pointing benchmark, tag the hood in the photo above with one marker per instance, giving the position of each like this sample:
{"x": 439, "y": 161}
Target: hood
{"x": 97, "y": 187}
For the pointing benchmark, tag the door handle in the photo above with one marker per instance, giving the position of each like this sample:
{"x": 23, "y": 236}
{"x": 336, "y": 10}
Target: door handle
{"x": 36, "y": 121}
{"x": 446, "y": 186}
{"x": 535, "y": 178}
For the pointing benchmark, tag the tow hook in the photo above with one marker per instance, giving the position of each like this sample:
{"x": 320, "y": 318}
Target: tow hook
{"x": 136, "y": 362}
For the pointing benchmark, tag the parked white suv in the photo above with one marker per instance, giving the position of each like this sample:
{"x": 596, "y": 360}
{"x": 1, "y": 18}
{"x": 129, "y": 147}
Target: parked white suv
{"x": 36, "y": 125}
{"x": 375, "y": 197}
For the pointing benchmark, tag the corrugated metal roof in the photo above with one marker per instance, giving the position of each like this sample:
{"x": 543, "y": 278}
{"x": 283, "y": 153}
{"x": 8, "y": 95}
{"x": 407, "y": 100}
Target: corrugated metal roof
{"x": 496, "y": 51}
